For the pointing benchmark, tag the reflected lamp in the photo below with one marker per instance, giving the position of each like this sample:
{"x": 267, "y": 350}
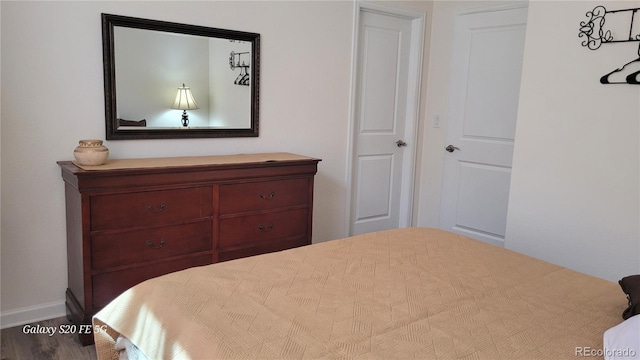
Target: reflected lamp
{"x": 184, "y": 101}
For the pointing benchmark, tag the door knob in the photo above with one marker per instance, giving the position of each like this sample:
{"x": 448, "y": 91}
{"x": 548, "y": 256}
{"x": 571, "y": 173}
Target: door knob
{"x": 451, "y": 148}
{"x": 401, "y": 143}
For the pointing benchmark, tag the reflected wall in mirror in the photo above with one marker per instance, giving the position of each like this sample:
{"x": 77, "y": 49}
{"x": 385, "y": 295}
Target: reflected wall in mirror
{"x": 146, "y": 62}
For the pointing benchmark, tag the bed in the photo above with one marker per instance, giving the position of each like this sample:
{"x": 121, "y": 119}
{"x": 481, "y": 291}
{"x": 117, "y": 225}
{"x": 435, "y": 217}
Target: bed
{"x": 398, "y": 294}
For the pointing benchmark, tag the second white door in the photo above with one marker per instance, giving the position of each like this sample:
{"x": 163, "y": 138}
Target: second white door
{"x": 487, "y": 62}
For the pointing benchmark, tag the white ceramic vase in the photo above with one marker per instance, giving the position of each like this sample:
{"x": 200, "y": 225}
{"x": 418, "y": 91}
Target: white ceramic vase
{"x": 91, "y": 152}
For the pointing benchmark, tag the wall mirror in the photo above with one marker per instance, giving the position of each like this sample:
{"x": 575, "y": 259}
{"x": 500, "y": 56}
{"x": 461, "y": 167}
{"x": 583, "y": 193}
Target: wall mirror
{"x": 165, "y": 80}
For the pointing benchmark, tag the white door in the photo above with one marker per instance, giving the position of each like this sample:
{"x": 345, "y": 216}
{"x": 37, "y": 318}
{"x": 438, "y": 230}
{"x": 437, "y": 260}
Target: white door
{"x": 383, "y": 138}
{"x": 486, "y": 67}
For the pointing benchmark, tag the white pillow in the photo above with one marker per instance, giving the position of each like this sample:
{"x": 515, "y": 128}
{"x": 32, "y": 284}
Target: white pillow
{"x": 622, "y": 342}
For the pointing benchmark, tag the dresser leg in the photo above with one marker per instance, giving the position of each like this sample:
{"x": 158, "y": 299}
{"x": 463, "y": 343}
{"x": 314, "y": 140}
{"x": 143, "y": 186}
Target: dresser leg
{"x": 81, "y": 320}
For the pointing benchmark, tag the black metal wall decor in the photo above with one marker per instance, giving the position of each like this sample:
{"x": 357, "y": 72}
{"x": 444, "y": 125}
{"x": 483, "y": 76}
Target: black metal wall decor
{"x": 621, "y": 26}
{"x": 235, "y": 61}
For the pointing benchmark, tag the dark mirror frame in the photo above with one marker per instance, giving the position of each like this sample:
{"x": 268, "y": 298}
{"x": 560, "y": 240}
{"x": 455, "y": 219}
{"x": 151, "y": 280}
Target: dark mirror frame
{"x": 108, "y": 38}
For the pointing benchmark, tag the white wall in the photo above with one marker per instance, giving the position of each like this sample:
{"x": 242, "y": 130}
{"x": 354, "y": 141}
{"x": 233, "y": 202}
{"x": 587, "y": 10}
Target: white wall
{"x": 52, "y": 96}
{"x": 575, "y": 185}
{"x": 574, "y": 196}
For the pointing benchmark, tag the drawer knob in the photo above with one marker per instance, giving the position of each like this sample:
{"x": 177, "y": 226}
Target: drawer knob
{"x": 156, "y": 210}
{"x": 151, "y": 245}
{"x": 266, "y": 229}
{"x": 268, "y": 197}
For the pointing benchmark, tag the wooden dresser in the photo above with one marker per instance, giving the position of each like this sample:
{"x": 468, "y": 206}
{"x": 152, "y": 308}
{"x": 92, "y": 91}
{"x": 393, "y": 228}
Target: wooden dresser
{"x": 133, "y": 219}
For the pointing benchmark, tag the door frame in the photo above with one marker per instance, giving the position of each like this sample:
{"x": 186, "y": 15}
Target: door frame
{"x": 416, "y": 51}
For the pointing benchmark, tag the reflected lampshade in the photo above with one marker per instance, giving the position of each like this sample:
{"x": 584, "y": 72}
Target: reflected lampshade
{"x": 184, "y": 101}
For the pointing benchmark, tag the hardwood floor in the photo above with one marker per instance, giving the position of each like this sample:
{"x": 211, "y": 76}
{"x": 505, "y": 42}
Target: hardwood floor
{"x": 18, "y": 343}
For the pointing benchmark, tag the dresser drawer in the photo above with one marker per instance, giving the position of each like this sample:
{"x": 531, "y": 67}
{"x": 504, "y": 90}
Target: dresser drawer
{"x": 263, "y": 248}
{"x": 150, "y": 207}
{"x": 238, "y": 198}
{"x": 246, "y": 230}
{"x": 132, "y": 247}
{"x": 109, "y": 285}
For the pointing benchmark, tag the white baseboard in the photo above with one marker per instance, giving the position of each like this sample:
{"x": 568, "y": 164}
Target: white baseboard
{"x": 32, "y": 314}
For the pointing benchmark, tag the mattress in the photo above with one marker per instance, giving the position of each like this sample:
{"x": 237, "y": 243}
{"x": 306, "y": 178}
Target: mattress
{"x": 405, "y": 293}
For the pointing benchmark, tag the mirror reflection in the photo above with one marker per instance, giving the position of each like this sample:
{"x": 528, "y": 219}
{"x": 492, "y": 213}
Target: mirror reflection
{"x": 174, "y": 80}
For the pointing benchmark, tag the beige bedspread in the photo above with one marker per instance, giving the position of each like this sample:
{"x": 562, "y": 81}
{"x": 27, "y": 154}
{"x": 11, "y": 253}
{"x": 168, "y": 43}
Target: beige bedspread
{"x": 400, "y": 294}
